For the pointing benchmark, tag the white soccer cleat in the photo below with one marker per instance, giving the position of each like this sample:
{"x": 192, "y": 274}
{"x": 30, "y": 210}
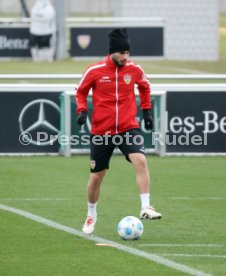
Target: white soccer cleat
{"x": 89, "y": 225}
{"x": 149, "y": 213}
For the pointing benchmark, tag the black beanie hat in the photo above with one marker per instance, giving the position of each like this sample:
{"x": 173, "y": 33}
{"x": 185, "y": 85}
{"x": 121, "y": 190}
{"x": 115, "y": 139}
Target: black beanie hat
{"x": 118, "y": 41}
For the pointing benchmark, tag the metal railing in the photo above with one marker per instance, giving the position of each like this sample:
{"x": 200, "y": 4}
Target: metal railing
{"x": 89, "y": 19}
{"x": 56, "y": 87}
{"x": 149, "y": 76}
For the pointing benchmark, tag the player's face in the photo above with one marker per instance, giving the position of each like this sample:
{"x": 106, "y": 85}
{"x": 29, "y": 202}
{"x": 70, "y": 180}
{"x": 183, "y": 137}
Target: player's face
{"x": 120, "y": 58}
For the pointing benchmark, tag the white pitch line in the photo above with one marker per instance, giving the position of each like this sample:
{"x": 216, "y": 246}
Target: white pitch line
{"x": 34, "y": 199}
{"x": 181, "y": 245}
{"x": 133, "y": 251}
{"x": 193, "y": 255}
{"x": 199, "y": 198}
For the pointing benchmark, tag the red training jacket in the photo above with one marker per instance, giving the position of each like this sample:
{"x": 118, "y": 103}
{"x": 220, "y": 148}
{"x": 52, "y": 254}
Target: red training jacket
{"x": 113, "y": 97}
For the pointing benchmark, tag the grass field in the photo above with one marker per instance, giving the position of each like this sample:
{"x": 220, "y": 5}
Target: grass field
{"x": 189, "y": 191}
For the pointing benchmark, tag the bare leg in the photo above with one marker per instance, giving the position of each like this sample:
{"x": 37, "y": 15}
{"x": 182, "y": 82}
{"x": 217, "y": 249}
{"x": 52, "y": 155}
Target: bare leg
{"x": 93, "y": 187}
{"x": 142, "y": 173}
{"x": 143, "y": 182}
{"x": 93, "y": 192}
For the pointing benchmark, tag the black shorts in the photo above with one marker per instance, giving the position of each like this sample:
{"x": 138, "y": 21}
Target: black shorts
{"x": 40, "y": 41}
{"x": 102, "y": 147}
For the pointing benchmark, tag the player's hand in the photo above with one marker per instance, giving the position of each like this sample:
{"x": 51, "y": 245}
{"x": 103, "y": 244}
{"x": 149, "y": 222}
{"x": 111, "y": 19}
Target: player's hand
{"x": 82, "y": 116}
{"x": 148, "y": 120}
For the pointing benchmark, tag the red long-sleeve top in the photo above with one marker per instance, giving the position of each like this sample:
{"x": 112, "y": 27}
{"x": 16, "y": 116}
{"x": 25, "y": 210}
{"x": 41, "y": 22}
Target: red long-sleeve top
{"x": 113, "y": 96}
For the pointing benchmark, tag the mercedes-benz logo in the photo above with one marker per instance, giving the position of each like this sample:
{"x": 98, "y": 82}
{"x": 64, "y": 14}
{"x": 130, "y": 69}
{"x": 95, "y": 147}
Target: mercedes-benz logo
{"x": 41, "y": 121}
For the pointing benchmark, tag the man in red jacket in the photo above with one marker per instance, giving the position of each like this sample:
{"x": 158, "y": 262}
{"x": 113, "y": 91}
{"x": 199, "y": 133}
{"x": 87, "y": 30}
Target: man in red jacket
{"x": 114, "y": 121}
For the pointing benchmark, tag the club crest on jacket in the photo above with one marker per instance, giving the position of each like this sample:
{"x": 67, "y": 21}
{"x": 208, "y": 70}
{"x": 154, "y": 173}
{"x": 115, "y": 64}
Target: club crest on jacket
{"x": 127, "y": 79}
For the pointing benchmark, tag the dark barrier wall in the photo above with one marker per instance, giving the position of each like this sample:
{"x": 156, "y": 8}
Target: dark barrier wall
{"x": 196, "y": 122}
{"x": 193, "y": 114}
{"x": 145, "y": 41}
{"x": 85, "y": 129}
{"x": 87, "y": 41}
{"x": 14, "y": 42}
{"x": 23, "y": 116}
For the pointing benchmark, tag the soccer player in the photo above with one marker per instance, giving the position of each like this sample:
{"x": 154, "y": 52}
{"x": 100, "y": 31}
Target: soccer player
{"x": 114, "y": 121}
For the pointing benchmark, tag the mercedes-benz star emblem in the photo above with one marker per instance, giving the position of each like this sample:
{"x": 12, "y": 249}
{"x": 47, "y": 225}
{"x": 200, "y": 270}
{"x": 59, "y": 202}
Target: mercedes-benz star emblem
{"x": 41, "y": 122}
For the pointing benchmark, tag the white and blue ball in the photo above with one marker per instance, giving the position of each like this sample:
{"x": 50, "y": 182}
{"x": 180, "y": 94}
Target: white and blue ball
{"x": 130, "y": 228}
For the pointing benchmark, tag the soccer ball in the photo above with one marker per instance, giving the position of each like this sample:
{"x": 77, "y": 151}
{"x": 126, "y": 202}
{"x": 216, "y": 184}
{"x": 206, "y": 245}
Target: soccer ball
{"x": 130, "y": 228}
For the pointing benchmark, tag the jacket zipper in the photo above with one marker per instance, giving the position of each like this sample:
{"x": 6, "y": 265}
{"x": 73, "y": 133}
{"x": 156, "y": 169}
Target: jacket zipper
{"x": 116, "y": 100}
